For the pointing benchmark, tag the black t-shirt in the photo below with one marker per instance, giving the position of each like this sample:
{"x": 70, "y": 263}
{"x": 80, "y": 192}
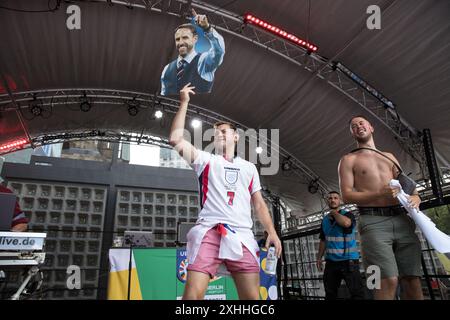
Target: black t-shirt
{"x": 345, "y": 230}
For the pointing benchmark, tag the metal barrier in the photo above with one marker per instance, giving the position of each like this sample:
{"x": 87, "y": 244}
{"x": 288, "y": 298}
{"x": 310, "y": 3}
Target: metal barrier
{"x": 300, "y": 278}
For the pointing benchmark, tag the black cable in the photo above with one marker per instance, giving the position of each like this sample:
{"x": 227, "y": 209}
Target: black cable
{"x": 56, "y": 7}
{"x": 309, "y": 20}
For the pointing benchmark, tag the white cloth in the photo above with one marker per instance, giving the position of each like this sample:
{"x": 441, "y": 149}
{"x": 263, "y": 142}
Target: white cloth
{"x": 437, "y": 239}
{"x": 230, "y": 245}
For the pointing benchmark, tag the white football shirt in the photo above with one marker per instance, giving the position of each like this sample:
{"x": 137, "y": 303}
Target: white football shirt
{"x": 226, "y": 189}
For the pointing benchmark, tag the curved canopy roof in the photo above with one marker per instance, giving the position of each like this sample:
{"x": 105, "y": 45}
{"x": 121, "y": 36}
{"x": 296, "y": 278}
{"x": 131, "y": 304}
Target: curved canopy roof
{"x": 118, "y": 48}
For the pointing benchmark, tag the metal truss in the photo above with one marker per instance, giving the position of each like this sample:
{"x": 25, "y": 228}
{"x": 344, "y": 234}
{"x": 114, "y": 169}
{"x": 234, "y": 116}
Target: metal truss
{"x": 145, "y": 101}
{"x": 339, "y": 78}
{"x": 335, "y": 74}
{"x": 309, "y": 222}
{"x": 74, "y": 96}
{"x": 101, "y": 135}
{"x": 312, "y": 221}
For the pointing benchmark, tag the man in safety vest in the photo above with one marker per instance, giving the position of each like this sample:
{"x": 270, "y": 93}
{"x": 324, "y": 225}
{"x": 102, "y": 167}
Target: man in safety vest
{"x": 338, "y": 243}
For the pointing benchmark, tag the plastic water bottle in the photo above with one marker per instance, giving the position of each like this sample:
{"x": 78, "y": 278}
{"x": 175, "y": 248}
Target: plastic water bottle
{"x": 271, "y": 261}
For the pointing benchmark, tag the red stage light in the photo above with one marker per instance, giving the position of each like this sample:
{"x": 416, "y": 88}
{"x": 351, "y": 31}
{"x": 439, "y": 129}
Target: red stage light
{"x": 248, "y": 18}
{"x": 13, "y": 144}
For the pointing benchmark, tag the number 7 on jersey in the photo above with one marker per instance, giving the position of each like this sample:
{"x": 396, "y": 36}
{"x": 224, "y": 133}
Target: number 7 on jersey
{"x": 230, "y": 195}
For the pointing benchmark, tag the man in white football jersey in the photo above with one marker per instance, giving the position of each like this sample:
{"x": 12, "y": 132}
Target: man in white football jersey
{"x": 222, "y": 241}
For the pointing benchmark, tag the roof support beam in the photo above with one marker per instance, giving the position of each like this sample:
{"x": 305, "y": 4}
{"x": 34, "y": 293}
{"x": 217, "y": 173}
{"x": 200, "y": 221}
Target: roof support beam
{"x": 71, "y": 96}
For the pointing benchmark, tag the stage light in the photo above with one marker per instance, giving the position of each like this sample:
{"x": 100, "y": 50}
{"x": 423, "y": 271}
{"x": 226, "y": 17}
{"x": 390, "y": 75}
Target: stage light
{"x": 313, "y": 186}
{"x": 259, "y": 150}
{"x": 158, "y": 114}
{"x": 195, "y": 123}
{"x": 133, "y": 107}
{"x": 14, "y": 144}
{"x": 286, "y": 165}
{"x": 36, "y": 110}
{"x": 249, "y": 18}
{"x": 85, "y": 106}
{"x": 133, "y": 110}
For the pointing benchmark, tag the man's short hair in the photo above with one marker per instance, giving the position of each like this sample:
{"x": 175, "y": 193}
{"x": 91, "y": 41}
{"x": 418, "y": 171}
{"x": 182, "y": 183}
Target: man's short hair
{"x": 189, "y": 26}
{"x": 219, "y": 123}
{"x": 358, "y": 116}
{"x": 333, "y": 191}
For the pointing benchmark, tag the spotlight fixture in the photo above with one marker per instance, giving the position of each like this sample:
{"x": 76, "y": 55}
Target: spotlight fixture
{"x": 249, "y": 18}
{"x": 36, "y": 110}
{"x": 286, "y": 165}
{"x": 133, "y": 107}
{"x": 195, "y": 123}
{"x": 133, "y": 111}
{"x": 158, "y": 114}
{"x": 259, "y": 150}
{"x": 35, "y": 107}
{"x": 85, "y": 106}
{"x": 313, "y": 186}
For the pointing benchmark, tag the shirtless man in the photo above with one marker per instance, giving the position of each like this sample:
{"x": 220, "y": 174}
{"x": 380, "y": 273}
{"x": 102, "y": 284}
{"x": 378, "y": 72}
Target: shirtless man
{"x": 388, "y": 238}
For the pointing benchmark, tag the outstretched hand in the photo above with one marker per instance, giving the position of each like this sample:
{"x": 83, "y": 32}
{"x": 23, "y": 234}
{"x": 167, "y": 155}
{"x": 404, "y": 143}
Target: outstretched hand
{"x": 184, "y": 93}
{"x": 201, "y": 20}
